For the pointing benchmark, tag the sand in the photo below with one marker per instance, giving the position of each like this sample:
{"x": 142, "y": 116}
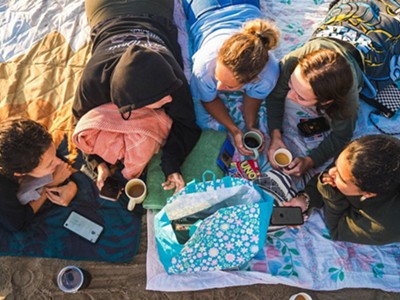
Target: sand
{"x": 34, "y": 278}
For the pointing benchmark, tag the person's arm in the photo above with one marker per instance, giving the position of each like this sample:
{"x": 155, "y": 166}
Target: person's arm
{"x": 336, "y": 208}
{"x": 62, "y": 195}
{"x": 184, "y": 132}
{"x": 276, "y": 106}
{"x": 251, "y": 107}
{"x": 333, "y": 144}
{"x": 347, "y": 223}
{"x": 37, "y": 204}
{"x": 218, "y": 111}
{"x": 13, "y": 215}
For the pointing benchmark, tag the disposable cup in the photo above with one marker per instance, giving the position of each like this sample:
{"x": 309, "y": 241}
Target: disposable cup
{"x": 71, "y": 279}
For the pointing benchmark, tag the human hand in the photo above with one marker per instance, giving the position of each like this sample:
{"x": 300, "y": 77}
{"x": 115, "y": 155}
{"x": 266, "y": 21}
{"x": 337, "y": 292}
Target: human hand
{"x": 174, "y": 180}
{"x": 262, "y": 147}
{"x": 61, "y": 173}
{"x": 276, "y": 143}
{"x": 299, "y": 166}
{"x": 238, "y": 140}
{"x": 329, "y": 178}
{"x": 299, "y": 201}
{"x": 102, "y": 173}
{"x": 62, "y": 195}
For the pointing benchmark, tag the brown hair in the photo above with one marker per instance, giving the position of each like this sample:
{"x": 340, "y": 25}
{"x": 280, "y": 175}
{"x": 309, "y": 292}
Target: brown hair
{"x": 246, "y": 52}
{"x": 22, "y": 145}
{"x": 330, "y": 77}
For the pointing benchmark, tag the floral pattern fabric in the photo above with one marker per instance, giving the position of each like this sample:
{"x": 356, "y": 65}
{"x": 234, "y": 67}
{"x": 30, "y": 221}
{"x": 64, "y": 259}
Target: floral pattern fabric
{"x": 230, "y": 237}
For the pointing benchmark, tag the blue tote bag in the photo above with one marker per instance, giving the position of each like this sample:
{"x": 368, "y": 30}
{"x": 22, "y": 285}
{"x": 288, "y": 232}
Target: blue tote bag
{"x": 212, "y": 225}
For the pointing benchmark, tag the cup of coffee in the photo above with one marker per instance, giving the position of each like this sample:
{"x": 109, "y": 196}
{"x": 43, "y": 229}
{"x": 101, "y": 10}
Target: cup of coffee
{"x": 252, "y": 140}
{"x": 71, "y": 279}
{"x": 300, "y": 296}
{"x": 282, "y": 157}
{"x": 136, "y": 191}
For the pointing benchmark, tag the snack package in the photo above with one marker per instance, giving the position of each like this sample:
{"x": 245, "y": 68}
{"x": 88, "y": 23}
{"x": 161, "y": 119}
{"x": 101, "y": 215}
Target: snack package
{"x": 248, "y": 169}
{"x": 225, "y": 156}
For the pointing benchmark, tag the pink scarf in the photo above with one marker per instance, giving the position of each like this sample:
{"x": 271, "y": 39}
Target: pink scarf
{"x": 103, "y": 132}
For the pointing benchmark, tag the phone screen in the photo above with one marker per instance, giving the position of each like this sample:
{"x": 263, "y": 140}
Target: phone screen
{"x": 313, "y": 126}
{"x": 111, "y": 189}
{"x": 286, "y": 215}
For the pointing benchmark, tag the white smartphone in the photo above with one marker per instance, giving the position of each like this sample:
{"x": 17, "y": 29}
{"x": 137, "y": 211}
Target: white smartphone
{"x": 83, "y": 227}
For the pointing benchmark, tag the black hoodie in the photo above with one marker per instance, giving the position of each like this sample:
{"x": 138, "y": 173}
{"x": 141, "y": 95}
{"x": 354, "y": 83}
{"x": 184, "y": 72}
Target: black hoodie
{"x": 111, "y": 41}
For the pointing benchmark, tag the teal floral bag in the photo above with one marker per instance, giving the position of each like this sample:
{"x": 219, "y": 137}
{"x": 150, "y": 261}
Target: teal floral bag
{"x": 212, "y": 225}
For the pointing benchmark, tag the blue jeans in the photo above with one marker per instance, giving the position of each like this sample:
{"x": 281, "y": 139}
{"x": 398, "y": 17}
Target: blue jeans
{"x": 194, "y": 9}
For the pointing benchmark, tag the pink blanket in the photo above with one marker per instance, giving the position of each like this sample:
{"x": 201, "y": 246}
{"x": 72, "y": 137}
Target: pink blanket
{"x": 103, "y": 132}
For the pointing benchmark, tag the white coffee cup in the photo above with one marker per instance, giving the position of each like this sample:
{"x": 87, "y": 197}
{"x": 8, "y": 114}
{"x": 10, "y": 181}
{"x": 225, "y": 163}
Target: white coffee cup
{"x": 136, "y": 190}
{"x": 300, "y": 296}
{"x": 283, "y": 157}
{"x": 252, "y": 140}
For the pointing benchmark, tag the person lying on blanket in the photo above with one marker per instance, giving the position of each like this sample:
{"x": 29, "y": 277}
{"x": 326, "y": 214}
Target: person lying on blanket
{"x": 30, "y": 173}
{"x": 230, "y": 54}
{"x": 327, "y": 74}
{"x": 360, "y": 193}
{"x": 136, "y": 62}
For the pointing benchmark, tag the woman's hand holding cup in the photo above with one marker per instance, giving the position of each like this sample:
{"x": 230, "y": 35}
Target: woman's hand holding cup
{"x": 253, "y": 140}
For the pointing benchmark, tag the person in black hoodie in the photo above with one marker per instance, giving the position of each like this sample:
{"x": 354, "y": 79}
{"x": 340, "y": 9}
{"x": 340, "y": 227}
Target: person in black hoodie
{"x": 136, "y": 61}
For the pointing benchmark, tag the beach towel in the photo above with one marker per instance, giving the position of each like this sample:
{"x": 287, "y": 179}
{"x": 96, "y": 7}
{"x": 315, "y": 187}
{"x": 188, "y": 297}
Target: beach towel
{"x": 47, "y": 236}
{"x": 204, "y": 153}
{"x": 134, "y": 141}
{"x": 303, "y": 257}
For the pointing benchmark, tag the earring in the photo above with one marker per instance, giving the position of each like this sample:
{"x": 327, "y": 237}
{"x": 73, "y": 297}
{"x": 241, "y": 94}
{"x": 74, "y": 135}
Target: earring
{"x": 363, "y": 198}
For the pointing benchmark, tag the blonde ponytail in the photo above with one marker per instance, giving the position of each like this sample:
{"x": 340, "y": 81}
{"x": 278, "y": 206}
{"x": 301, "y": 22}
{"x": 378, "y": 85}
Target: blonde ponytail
{"x": 246, "y": 52}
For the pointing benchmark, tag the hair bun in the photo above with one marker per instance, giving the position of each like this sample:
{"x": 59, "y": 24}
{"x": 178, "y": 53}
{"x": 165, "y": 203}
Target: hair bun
{"x": 264, "y": 39}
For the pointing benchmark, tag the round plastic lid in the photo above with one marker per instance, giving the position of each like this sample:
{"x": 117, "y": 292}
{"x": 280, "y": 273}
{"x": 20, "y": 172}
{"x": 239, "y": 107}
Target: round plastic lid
{"x": 70, "y": 279}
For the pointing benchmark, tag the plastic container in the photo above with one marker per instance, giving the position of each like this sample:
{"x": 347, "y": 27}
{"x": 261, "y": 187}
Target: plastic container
{"x": 71, "y": 279}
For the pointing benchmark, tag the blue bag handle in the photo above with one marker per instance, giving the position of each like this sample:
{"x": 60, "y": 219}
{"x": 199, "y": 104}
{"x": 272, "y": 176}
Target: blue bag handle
{"x": 214, "y": 177}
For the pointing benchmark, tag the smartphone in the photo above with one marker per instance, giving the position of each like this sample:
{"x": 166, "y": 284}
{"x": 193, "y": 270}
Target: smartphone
{"x": 111, "y": 189}
{"x": 286, "y": 215}
{"x": 83, "y": 227}
{"x": 313, "y": 126}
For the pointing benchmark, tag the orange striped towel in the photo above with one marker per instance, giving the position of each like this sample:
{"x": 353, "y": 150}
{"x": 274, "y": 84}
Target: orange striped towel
{"x": 103, "y": 132}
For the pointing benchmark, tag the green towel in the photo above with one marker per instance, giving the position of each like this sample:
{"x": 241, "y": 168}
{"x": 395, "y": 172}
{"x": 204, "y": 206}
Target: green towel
{"x": 203, "y": 157}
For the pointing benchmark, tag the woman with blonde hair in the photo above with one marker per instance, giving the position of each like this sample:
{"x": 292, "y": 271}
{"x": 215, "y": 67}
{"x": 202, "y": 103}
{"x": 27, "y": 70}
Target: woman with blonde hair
{"x": 230, "y": 47}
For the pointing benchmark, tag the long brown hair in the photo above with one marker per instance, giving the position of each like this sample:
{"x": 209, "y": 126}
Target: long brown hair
{"x": 330, "y": 77}
{"x": 246, "y": 52}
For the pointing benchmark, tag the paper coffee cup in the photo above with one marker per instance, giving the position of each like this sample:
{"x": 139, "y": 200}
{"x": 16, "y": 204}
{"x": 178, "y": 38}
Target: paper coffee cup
{"x": 71, "y": 279}
{"x": 136, "y": 191}
{"x": 282, "y": 157}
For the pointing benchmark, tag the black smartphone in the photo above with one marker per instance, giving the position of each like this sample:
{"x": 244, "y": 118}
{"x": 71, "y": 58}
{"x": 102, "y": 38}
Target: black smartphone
{"x": 111, "y": 189}
{"x": 313, "y": 126}
{"x": 286, "y": 215}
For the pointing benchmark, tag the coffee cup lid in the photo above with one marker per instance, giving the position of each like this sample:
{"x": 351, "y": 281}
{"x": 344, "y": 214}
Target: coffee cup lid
{"x": 70, "y": 279}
